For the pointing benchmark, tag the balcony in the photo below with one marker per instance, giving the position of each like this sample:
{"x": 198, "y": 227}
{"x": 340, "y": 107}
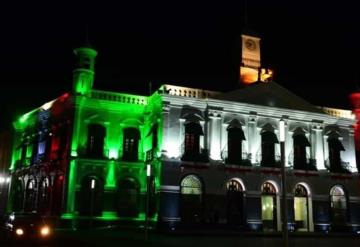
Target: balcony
{"x": 244, "y": 160}
{"x": 119, "y": 97}
{"x": 343, "y": 167}
{"x": 202, "y": 156}
{"x": 269, "y": 162}
{"x": 307, "y": 164}
{"x": 83, "y": 153}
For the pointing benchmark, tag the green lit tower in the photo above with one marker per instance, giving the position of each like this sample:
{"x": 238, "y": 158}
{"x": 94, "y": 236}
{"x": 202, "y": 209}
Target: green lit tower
{"x": 83, "y": 74}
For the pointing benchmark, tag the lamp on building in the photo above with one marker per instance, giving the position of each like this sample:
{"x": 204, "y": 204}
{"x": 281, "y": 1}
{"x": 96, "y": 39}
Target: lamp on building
{"x": 283, "y": 183}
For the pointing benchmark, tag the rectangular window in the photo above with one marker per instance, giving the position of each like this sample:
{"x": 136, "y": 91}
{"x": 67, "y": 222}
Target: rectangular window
{"x": 41, "y": 147}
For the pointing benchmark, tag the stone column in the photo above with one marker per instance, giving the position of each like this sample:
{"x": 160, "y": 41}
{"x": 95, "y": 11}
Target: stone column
{"x": 215, "y": 135}
{"x": 224, "y": 139}
{"x": 325, "y": 149}
{"x": 317, "y": 145}
{"x": 351, "y": 152}
{"x": 179, "y": 142}
{"x": 165, "y": 131}
{"x": 252, "y": 137}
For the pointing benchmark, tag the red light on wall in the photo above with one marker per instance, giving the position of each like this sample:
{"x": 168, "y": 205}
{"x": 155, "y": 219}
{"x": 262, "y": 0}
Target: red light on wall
{"x": 64, "y": 97}
{"x": 355, "y": 100}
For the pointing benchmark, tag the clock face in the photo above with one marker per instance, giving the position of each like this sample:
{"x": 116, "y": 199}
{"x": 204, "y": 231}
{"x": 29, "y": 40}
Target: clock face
{"x": 250, "y": 44}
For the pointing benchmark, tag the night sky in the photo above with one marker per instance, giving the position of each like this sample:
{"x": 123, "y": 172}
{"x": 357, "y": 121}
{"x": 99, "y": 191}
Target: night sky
{"x": 313, "y": 47}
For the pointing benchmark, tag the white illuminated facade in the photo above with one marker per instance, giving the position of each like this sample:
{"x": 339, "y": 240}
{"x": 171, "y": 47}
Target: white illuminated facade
{"x": 221, "y": 138}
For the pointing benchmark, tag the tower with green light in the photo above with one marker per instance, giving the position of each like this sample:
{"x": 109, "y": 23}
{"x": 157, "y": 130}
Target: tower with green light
{"x": 84, "y": 72}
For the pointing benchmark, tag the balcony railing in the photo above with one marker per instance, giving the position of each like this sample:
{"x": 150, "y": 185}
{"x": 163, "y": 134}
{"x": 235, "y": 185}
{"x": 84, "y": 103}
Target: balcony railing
{"x": 343, "y": 167}
{"x": 202, "y": 156}
{"x": 119, "y": 97}
{"x": 244, "y": 160}
{"x": 260, "y": 162}
{"x": 188, "y": 92}
{"x": 309, "y": 164}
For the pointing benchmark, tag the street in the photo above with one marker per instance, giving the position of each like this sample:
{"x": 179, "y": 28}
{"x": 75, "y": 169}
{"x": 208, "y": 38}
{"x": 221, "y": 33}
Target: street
{"x": 120, "y": 237}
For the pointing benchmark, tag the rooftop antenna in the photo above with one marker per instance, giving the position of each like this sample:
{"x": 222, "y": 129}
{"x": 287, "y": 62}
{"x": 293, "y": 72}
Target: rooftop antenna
{"x": 150, "y": 87}
{"x": 245, "y": 13}
{"x": 87, "y": 41}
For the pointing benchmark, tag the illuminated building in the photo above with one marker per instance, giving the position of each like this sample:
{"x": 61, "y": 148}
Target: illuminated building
{"x": 214, "y": 157}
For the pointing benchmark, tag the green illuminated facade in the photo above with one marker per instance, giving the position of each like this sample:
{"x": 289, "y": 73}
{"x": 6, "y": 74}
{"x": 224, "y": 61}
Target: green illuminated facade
{"x": 91, "y": 146}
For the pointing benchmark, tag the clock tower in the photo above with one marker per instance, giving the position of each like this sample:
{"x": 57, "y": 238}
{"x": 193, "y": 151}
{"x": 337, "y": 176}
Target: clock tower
{"x": 250, "y": 68}
{"x": 250, "y": 59}
{"x": 250, "y": 51}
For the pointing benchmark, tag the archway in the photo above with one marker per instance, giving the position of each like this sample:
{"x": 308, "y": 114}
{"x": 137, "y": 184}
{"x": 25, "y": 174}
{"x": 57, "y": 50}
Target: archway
{"x": 128, "y": 198}
{"x": 268, "y": 206}
{"x": 92, "y": 189}
{"x": 235, "y": 202}
{"x": 30, "y": 196}
{"x": 44, "y": 195}
{"x": 57, "y": 195}
{"x": 191, "y": 199}
{"x": 17, "y": 195}
{"x": 338, "y": 204}
{"x": 301, "y": 208}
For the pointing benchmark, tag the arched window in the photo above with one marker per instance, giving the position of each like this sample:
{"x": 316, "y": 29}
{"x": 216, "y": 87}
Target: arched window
{"x": 30, "y": 195}
{"x": 335, "y": 147}
{"x": 152, "y": 198}
{"x": 57, "y": 194}
{"x": 131, "y": 144}
{"x": 191, "y": 199}
{"x": 154, "y": 132}
{"x": 235, "y": 138}
{"x": 92, "y": 189}
{"x": 128, "y": 198}
{"x": 95, "y": 141}
{"x": 23, "y": 153}
{"x": 235, "y": 202}
{"x": 338, "y": 206}
{"x": 44, "y": 195}
{"x": 268, "y": 140}
{"x": 301, "y": 208}
{"x": 268, "y": 206}
{"x": 193, "y": 131}
{"x": 17, "y": 195}
{"x": 300, "y": 144}
{"x": 55, "y": 147}
{"x": 233, "y": 185}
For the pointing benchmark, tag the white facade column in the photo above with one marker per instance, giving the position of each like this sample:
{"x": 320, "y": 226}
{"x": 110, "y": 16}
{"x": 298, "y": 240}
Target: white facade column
{"x": 179, "y": 143}
{"x": 289, "y": 147}
{"x": 215, "y": 135}
{"x": 252, "y": 138}
{"x": 245, "y": 145}
{"x": 325, "y": 148}
{"x": 310, "y": 212}
{"x": 313, "y": 140}
{"x": 288, "y": 142}
{"x": 351, "y": 153}
{"x": 170, "y": 146}
{"x": 317, "y": 146}
{"x": 224, "y": 139}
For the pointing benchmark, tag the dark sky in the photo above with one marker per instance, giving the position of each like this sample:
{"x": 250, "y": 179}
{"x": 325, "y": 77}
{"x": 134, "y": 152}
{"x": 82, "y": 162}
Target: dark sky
{"x": 313, "y": 46}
